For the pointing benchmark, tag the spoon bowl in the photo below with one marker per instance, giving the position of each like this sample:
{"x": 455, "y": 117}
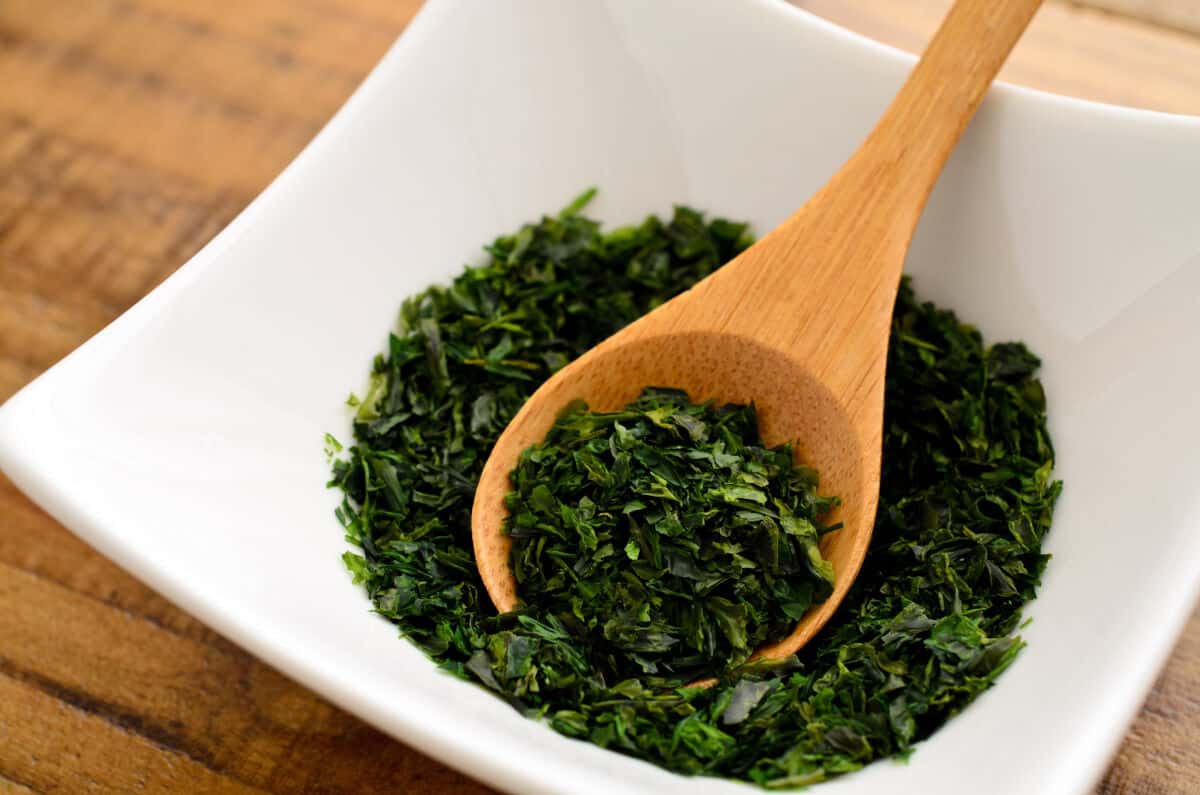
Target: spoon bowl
{"x": 799, "y": 322}
{"x": 792, "y": 406}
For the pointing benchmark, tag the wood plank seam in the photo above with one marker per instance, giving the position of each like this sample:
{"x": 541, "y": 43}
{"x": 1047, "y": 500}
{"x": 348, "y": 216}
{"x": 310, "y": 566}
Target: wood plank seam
{"x": 113, "y": 715}
{"x": 66, "y": 569}
{"x": 58, "y": 753}
{"x": 253, "y": 723}
{"x": 216, "y": 640}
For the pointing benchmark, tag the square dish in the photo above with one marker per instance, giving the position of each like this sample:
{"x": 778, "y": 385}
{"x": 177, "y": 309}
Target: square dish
{"x": 184, "y": 441}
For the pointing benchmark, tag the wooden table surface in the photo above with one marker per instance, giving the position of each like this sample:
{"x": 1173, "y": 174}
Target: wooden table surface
{"x": 131, "y": 131}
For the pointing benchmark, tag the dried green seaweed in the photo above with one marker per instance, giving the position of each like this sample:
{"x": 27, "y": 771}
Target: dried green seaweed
{"x": 666, "y": 536}
{"x": 967, "y": 496}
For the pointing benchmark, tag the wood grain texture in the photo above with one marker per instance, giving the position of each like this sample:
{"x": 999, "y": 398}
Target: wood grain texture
{"x": 1180, "y": 14}
{"x": 131, "y": 131}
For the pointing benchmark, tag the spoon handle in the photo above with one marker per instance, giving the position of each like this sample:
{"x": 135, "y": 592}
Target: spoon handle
{"x": 822, "y": 284}
{"x": 912, "y": 141}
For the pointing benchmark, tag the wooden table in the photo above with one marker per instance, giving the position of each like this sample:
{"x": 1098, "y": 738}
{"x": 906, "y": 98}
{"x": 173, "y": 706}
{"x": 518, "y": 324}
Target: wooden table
{"x": 131, "y": 131}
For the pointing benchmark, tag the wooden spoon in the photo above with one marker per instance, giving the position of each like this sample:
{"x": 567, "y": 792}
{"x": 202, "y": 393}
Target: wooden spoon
{"x": 799, "y": 322}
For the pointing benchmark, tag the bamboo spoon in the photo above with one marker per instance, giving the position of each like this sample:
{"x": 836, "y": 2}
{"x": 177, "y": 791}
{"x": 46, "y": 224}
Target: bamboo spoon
{"x": 799, "y": 322}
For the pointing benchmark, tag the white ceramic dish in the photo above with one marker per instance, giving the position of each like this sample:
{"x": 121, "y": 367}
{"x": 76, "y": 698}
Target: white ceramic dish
{"x": 184, "y": 441}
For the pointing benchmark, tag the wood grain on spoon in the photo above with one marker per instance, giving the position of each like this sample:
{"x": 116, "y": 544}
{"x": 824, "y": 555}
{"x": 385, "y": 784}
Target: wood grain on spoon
{"x": 799, "y": 322}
